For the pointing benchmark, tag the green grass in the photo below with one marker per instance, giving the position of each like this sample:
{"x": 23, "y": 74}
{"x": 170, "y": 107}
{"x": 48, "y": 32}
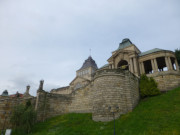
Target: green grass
{"x": 159, "y": 115}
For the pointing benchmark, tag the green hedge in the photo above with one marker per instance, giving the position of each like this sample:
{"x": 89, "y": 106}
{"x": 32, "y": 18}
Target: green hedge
{"x": 148, "y": 86}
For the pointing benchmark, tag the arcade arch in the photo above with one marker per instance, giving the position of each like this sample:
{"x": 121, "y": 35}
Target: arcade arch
{"x": 123, "y": 64}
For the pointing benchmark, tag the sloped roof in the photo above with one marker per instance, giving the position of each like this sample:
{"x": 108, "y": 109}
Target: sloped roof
{"x": 89, "y": 63}
{"x": 125, "y": 43}
{"x": 17, "y": 95}
{"x": 77, "y": 78}
{"x": 151, "y": 51}
{"x": 106, "y": 65}
{"x": 62, "y": 88}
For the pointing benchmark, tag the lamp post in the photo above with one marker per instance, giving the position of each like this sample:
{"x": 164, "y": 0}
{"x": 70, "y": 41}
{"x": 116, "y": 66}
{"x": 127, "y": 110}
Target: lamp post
{"x": 113, "y": 111}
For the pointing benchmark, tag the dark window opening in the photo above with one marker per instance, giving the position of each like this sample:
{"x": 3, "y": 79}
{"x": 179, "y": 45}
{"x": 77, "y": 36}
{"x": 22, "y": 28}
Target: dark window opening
{"x": 161, "y": 64}
{"x": 147, "y": 66}
{"x": 123, "y": 64}
{"x": 173, "y": 63}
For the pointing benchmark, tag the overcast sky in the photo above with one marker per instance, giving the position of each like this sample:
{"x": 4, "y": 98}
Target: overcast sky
{"x": 50, "y": 39}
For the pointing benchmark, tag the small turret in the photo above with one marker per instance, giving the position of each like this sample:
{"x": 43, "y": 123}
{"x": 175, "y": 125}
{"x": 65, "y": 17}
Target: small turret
{"x": 27, "y": 91}
{"x": 41, "y": 85}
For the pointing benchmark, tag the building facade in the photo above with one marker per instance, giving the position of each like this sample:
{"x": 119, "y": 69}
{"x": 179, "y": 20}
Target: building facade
{"x": 160, "y": 64}
{"x": 101, "y": 91}
{"x": 157, "y": 63}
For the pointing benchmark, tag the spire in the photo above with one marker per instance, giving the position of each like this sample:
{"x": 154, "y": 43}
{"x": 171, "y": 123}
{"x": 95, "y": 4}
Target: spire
{"x": 90, "y": 51}
{"x": 89, "y": 63}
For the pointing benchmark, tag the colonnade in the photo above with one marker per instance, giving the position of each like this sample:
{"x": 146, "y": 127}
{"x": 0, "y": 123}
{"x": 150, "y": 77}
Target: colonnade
{"x": 154, "y": 65}
{"x": 138, "y": 67}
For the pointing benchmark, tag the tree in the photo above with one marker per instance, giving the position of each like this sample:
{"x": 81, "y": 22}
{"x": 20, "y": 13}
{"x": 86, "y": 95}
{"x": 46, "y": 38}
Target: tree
{"x": 16, "y": 117}
{"x": 23, "y": 117}
{"x": 177, "y": 54}
{"x": 148, "y": 86}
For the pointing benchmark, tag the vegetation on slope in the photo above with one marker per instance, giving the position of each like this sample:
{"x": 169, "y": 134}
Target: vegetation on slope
{"x": 158, "y": 115}
{"x": 148, "y": 86}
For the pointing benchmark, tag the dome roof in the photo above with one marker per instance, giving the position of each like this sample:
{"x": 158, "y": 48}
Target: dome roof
{"x": 125, "y": 43}
{"x": 5, "y": 93}
{"x": 89, "y": 63}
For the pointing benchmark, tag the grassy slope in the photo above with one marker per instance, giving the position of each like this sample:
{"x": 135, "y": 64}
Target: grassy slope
{"x": 158, "y": 115}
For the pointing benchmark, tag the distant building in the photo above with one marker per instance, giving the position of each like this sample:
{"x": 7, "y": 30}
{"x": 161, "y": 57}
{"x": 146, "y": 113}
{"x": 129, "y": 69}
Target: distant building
{"x": 20, "y": 95}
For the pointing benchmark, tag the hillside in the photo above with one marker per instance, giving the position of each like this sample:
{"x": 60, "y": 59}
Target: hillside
{"x": 158, "y": 115}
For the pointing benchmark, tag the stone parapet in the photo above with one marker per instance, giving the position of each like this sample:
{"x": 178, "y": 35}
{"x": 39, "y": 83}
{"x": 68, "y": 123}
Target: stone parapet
{"x": 49, "y": 104}
{"x": 167, "y": 80}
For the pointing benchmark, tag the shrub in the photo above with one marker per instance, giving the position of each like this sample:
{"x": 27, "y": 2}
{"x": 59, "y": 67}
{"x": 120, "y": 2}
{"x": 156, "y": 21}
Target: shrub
{"x": 148, "y": 86}
{"x": 23, "y": 117}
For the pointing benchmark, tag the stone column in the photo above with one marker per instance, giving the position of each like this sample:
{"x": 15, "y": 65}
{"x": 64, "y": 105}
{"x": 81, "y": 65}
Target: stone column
{"x": 112, "y": 66}
{"x": 143, "y": 71}
{"x": 135, "y": 66}
{"x": 155, "y": 65}
{"x": 131, "y": 65}
{"x": 167, "y": 63}
{"x": 170, "y": 63}
{"x": 152, "y": 64}
{"x": 140, "y": 66}
{"x": 177, "y": 66}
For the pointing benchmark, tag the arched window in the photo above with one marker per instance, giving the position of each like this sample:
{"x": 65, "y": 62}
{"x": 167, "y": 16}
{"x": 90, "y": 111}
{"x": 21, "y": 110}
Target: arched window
{"x": 123, "y": 64}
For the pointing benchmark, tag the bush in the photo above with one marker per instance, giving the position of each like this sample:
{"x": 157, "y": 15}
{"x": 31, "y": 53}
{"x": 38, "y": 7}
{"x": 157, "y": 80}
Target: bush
{"x": 23, "y": 117}
{"x": 148, "y": 87}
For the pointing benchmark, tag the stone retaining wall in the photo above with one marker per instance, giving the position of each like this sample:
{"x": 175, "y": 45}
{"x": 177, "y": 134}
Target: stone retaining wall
{"x": 6, "y": 106}
{"x": 82, "y": 100}
{"x": 110, "y": 88}
{"x": 49, "y": 104}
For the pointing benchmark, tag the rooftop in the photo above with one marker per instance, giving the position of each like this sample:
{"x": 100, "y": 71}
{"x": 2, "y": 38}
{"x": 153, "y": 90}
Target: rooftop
{"x": 106, "y": 65}
{"x": 151, "y": 51}
{"x": 125, "y": 43}
{"x": 62, "y": 88}
{"x": 89, "y": 63}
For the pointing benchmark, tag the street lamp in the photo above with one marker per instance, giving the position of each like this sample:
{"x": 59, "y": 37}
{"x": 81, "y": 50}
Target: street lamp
{"x": 113, "y": 111}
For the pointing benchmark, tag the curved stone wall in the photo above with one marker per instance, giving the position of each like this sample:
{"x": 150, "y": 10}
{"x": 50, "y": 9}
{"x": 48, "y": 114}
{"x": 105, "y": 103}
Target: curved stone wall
{"x": 116, "y": 91}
